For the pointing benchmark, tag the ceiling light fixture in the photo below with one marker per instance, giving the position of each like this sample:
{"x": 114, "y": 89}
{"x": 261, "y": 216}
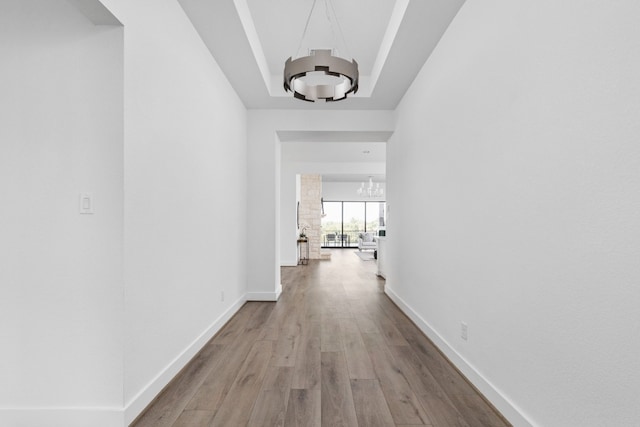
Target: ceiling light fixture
{"x": 370, "y": 191}
{"x": 321, "y": 75}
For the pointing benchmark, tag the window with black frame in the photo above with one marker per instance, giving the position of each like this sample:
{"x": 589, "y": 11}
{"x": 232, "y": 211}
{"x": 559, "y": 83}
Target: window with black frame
{"x": 344, "y": 221}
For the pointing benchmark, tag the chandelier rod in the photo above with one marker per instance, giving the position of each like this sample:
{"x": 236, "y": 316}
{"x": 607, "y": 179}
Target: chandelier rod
{"x": 306, "y": 27}
{"x": 344, "y": 41}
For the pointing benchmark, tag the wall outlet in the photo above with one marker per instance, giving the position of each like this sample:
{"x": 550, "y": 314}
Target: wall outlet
{"x": 463, "y": 331}
{"x": 222, "y": 296}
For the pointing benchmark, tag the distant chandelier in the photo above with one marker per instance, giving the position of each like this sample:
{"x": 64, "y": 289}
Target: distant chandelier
{"x": 370, "y": 191}
{"x": 321, "y": 75}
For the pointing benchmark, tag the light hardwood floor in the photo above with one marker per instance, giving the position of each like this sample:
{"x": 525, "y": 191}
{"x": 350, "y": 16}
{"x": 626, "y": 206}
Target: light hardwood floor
{"x": 333, "y": 351}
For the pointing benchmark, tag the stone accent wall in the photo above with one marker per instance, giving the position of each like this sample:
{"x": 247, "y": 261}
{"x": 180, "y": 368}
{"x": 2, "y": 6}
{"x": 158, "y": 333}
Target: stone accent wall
{"x": 310, "y": 211}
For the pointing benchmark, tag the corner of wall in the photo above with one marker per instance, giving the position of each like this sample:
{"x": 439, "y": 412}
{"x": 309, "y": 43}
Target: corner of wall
{"x": 265, "y": 296}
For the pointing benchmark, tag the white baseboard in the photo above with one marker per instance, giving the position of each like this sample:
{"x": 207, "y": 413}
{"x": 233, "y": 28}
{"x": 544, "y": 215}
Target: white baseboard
{"x": 145, "y": 396}
{"x": 510, "y": 411}
{"x": 288, "y": 263}
{"x": 62, "y": 417}
{"x": 265, "y": 296}
{"x": 114, "y": 417}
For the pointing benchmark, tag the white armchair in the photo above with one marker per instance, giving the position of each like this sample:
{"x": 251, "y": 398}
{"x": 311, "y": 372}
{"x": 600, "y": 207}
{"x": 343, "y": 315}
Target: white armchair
{"x": 367, "y": 241}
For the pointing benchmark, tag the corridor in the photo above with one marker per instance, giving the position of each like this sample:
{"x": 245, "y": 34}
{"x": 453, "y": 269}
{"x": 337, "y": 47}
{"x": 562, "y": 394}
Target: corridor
{"x": 333, "y": 351}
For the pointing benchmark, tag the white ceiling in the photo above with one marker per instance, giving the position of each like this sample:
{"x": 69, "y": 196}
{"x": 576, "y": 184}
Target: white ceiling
{"x": 351, "y": 154}
{"x": 334, "y": 152}
{"x": 363, "y": 31}
{"x": 359, "y": 178}
{"x": 390, "y": 39}
{"x": 334, "y": 136}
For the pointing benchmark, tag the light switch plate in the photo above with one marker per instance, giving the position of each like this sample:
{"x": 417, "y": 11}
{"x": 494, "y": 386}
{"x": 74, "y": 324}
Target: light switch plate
{"x": 86, "y": 203}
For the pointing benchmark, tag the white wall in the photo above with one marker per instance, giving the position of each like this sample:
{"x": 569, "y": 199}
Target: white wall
{"x": 523, "y": 130}
{"x": 185, "y": 199}
{"x": 101, "y": 311}
{"x": 290, "y": 191}
{"x": 61, "y": 274}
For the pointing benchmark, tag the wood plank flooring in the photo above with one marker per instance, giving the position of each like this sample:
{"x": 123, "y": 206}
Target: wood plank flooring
{"x": 333, "y": 351}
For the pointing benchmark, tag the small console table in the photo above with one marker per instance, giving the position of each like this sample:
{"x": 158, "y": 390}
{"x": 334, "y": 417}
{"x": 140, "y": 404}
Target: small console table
{"x": 303, "y": 251}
